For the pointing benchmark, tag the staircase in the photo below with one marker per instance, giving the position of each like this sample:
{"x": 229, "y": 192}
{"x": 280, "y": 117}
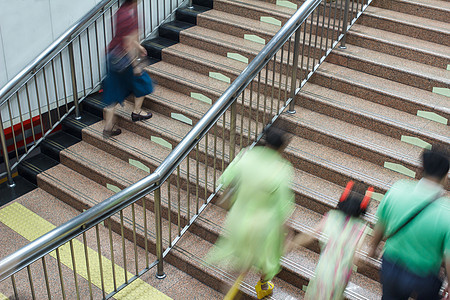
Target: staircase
{"x": 364, "y": 115}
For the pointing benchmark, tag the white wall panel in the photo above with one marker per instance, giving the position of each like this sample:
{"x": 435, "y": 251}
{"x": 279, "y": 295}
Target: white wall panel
{"x": 3, "y": 71}
{"x": 65, "y": 13}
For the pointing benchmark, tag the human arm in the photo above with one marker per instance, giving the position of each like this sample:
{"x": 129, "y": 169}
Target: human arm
{"x": 378, "y": 234}
{"x": 304, "y": 238}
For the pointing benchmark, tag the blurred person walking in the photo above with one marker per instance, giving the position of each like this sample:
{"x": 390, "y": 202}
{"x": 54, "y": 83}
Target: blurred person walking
{"x": 254, "y": 231}
{"x": 414, "y": 217}
{"x": 341, "y": 232}
{"x": 124, "y": 75}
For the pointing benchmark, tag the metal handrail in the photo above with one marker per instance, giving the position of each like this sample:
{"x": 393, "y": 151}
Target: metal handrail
{"x": 60, "y": 235}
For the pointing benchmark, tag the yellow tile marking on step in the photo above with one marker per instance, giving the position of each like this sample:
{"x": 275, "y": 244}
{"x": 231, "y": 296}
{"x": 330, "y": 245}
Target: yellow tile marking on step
{"x": 377, "y": 196}
{"x": 415, "y": 141}
{"x": 270, "y": 20}
{"x": 113, "y": 188}
{"x": 254, "y": 38}
{"x": 201, "y": 97}
{"x": 441, "y": 91}
{"x": 219, "y": 76}
{"x": 432, "y": 116}
{"x": 286, "y": 4}
{"x": 161, "y": 141}
{"x": 238, "y": 57}
{"x": 181, "y": 118}
{"x": 31, "y": 226}
{"x": 448, "y": 67}
{"x": 3, "y": 297}
{"x": 139, "y": 165}
{"x": 400, "y": 169}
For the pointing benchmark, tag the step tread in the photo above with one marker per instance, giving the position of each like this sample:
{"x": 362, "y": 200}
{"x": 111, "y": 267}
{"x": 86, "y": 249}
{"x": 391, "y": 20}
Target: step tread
{"x": 407, "y": 19}
{"x": 402, "y": 40}
{"x": 399, "y": 64}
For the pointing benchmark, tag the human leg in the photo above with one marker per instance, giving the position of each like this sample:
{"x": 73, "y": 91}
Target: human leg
{"x": 109, "y": 122}
{"x": 264, "y": 287}
{"x": 142, "y": 85}
{"x": 137, "y": 114}
{"x": 393, "y": 282}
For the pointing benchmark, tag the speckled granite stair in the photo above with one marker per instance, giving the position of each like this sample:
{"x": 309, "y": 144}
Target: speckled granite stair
{"x": 417, "y": 27}
{"x": 38, "y": 201}
{"x": 399, "y": 45}
{"x": 431, "y": 9}
{"x": 353, "y": 82}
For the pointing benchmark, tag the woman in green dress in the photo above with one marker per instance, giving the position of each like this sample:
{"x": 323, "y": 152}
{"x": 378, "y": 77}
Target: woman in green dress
{"x": 254, "y": 231}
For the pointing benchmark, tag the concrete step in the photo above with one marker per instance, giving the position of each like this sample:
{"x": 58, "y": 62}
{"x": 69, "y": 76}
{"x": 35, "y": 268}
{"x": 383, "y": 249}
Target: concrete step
{"x": 417, "y": 27}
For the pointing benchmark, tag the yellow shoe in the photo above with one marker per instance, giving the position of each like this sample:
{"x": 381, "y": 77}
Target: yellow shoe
{"x": 260, "y": 293}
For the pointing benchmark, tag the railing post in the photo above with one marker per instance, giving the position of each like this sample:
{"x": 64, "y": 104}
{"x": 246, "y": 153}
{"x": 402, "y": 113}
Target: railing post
{"x": 158, "y": 225}
{"x": 190, "y": 6}
{"x": 5, "y": 154}
{"x": 232, "y": 129}
{"x": 291, "y": 109}
{"x": 344, "y": 24}
{"x": 74, "y": 82}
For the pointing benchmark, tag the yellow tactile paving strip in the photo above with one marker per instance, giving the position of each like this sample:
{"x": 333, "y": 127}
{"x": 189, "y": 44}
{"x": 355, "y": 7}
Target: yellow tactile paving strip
{"x": 31, "y": 226}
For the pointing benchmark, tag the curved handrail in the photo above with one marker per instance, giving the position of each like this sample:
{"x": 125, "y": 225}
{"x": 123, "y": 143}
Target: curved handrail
{"x": 115, "y": 203}
{"x": 16, "y": 83}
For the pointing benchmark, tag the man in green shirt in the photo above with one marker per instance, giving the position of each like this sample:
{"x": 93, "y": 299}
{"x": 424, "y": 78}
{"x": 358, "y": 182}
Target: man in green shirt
{"x": 413, "y": 254}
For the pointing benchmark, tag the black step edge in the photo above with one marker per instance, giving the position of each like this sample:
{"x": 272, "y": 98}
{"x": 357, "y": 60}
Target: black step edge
{"x": 171, "y": 30}
{"x": 189, "y": 15}
{"x": 205, "y": 3}
{"x": 21, "y": 187}
{"x": 31, "y": 167}
{"x": 56, "y": 143}
{"x": 155, "y": 46}
{"x": 74, "y": 126}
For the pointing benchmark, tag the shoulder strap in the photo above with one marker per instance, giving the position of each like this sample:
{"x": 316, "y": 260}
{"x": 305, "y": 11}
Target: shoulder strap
{"x": 414, "y": 215}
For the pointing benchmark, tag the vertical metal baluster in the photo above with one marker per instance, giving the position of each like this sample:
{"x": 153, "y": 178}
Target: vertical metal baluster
{"x": 133, "y": 216}
{"x": 169, "y": 213}
{"x": 124, "y": 250}
{"x": 242, "y": 118}
{"x": 98, "y": 52}
{"x": 265, "y": 95}
{"x": 90, "y": 57}
{"x": 31, "y": 114}
{"x": 233, "y": 114}
{"x": 273, "y": 84}
{"x": 280, "y": 78}
{"x": 143, "y": 18}
{"x": 206, "y": 167}
{"x": 287, "y": 69}
{"x": 309, "y": 43}
{"x": 334, "y": 23}
{"x": 111, "y": 247}
{"x": 104, "y": 33}
{"x": 328, "y": 29}
{"x": 74, "y": 81}
{"x": 99, "y": 249}
{"x": 303, "y": 54}
{"x": 315, "y": 40}
{"x": 82, "y": 65}
{"x": 47, "y": 284}
{"x": 223, "y": 139}
{"x": 215, "y": 156}
{"x": 30, "y": 278}
{"x": 16, "y": 297}
{"x": 38, "y": 105}
{"x": 46, "y": 95}
{"x": 294, "y": 70}
{"x": 197, "y": 178}
{"x": 55, "y": 86}
{"x": 188, "y": 184}
{"x": 147, "y": 263}
{"x": 179, "y": 200}
{"x": 159, "y": 246}
{"x": 88, "y": 270}
{"x": 250, "y": 114}
{"x": 257, "y": 105}
{"x": 64, "y": 82}
{"x": 157, "y": 12}
{"x": 344, "y": 25}
{"x": 339, "y": 19}
{"x": 321, "y": 31}
{"x": 12, "y": 131}
{"x": 21, "y": 122}
{"x": 352, "y": 9}
{"x": 72, "y": 254}
{"x": 58, "y": 258}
